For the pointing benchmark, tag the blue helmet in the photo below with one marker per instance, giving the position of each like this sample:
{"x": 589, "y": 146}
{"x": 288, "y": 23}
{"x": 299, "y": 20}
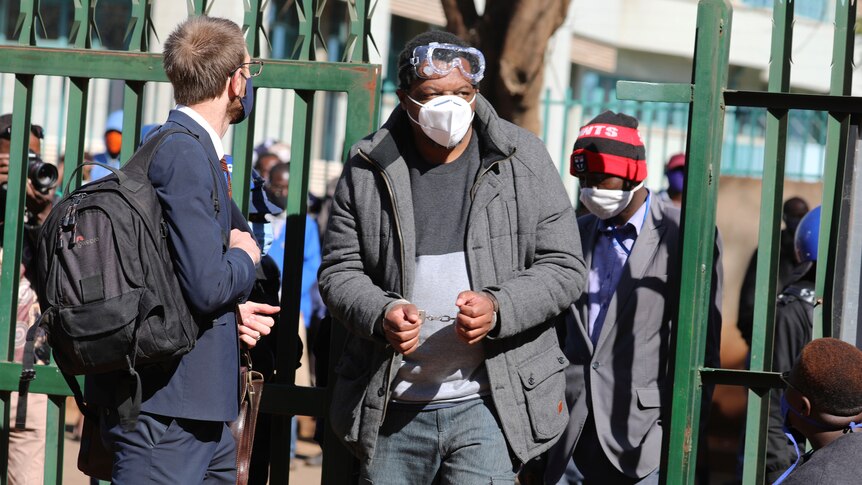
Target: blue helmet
{"x": 114, "y": 122}
{"x": 807, "y": 236}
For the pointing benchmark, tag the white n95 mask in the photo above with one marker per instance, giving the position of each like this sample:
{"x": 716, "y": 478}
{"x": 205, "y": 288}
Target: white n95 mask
{"x": 605, "y": 203}
{"x": 445, "y": 119}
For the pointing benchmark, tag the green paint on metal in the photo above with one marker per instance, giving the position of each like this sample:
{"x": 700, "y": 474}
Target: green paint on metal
{"x": 307, "y": 12}
{"x": 25, "y": 26}
{"x": 48, "y": 381}
{"x": 54, "y": 440}
{"x": 79, "y": 90}
{"x": 698, "y": 233}
{"x": 147, "y": 67}
{"x": 12, "y": 239}
{"x": 133, "y": 100}
{"x": 772, "y": 194}
{"x": 360, "y": 31}
{"x": 14, "y": 217}
{"x": 243, "y": 134}
{"x": 837, "y": 128}
{"x": 658, "y": 92}
{"x": 253, "y": 25}
{"x": 136, "y": 68}
{"x": 140, "y": 25}
{"x": 79, "y": 35}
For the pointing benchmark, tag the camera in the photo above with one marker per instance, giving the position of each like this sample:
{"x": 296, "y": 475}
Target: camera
{"x": 42, "y": 175}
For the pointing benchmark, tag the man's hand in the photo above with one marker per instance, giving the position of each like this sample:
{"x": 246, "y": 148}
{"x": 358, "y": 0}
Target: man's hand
{"x": 245, "y": 241}
{"x": 475, "y": 316}
{"x": 254, "y": 322}
{"x": 401, "y": 328}
{"x": 4, "y": 168}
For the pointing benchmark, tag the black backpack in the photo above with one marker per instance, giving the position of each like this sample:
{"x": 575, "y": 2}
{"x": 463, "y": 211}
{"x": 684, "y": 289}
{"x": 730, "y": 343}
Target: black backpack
{"x": 109, "y": 295}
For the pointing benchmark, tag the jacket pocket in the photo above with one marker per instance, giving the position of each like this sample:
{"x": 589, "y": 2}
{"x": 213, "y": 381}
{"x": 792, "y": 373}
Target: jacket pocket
{"x": 348, "y": 394}
{"x": 649, "y": 398}
{"x": 544, "y": 390}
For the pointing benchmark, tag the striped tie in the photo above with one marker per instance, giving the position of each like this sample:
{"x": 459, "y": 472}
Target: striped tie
{"x": 227, "y": 174}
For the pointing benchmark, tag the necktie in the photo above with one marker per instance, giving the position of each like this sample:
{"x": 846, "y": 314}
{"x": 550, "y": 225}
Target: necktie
{"x": 227, "y": 174}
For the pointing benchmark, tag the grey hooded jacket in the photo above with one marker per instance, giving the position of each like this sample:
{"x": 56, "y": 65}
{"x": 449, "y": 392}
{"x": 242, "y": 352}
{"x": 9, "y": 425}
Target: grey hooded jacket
{"x": 522, "y": 245}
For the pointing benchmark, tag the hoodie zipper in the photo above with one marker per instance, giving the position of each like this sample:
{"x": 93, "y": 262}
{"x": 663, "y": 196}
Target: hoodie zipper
{"x": 391, "y": 192}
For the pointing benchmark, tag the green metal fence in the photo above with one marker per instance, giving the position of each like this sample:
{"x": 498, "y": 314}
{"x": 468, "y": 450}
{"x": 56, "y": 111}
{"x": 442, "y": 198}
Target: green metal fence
{"x": 136, "y": 69}
{"x": 709, "y": 101}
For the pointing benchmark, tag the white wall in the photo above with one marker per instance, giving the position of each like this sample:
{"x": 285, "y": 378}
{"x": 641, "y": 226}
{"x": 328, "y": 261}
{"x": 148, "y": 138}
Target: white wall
{"x": 668, "y": 27}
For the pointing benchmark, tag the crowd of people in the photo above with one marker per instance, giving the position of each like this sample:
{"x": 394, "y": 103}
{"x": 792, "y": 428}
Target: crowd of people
{"x": 492, "y": 335}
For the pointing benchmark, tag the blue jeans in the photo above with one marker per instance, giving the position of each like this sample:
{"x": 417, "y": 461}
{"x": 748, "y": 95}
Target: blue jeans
{"x": 460, "y": 445}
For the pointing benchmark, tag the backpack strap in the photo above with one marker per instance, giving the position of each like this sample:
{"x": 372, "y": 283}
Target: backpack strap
{"x": 28, "y": 373}
{"x": 155, "y": 141}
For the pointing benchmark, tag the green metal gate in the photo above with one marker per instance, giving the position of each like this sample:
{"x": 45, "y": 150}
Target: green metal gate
{"x": 136, "y": 67}
{"x": 708, "y": 98}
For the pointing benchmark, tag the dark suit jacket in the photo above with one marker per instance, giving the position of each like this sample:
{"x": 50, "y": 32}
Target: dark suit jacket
{"x": 623, "y": 381}
{"x": 202, "y": 384}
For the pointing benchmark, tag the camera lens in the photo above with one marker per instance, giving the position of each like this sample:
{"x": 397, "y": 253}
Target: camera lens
{"x": 42, "y": 175}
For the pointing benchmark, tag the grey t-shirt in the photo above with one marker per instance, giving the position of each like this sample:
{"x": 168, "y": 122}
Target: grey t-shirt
{"x": 443, "y": 369}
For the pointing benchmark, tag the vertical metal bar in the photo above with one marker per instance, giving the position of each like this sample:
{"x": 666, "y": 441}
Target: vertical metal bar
{"x": 79, "y": 88}
{"x": 139, "y": 25}
{"x": 54, "y": 440}
{"x": 837, "y": 129}
{"x": 76, "y": 130}
{"x": 291, "y": 282}
{"x": 338, "y": 461}
{"x": 564, "y": 149}
{"x": 356, "y": 48}
{"x": 546, "y": 114}
{"x": 25, "y": 28}
{"x": 133, "y": 91}
{"x": 712, "y": 48}
{"x": 79, "y": 35}
{"x": 12, "y": 241}
{"x": 133, "y": 99}
{"x": 243, "y": 134}
{"x": 772, "y": 193}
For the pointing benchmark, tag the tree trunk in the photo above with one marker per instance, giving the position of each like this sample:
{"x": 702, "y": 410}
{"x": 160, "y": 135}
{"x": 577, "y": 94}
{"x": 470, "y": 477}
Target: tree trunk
{"x": 513, "y": 35}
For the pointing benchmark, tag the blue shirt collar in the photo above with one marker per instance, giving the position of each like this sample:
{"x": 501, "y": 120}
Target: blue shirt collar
{"x": 636, "y": 221}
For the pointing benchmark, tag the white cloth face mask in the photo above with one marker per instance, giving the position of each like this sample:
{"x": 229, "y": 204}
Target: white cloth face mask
{"x": 606, "y": 203}
{"x": 445, "y": 119}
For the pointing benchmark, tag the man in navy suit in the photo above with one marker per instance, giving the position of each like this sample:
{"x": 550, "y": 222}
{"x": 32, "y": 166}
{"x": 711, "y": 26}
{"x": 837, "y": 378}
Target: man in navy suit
{"x": 182, "y": 434}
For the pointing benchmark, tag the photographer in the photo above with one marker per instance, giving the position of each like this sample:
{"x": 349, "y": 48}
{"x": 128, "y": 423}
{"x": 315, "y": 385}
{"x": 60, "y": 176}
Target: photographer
{"x": 27, "y": 446}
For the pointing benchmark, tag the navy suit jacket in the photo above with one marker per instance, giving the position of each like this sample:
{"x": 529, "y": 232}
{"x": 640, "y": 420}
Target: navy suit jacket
{"x": 203, "y": 384}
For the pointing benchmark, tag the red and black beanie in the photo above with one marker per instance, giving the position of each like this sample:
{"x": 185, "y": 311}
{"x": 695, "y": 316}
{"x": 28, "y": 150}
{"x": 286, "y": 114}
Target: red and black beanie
{"x": 610, "y": 144}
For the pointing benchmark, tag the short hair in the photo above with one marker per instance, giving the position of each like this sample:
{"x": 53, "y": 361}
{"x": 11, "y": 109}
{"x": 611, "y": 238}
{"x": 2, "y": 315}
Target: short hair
{"x": 199, "y": 56}
{"x": 794, "y": 207}
{"x": 279, "y": 171}
{"x": 406, "y": 74}
{"x": 829, "y": 374}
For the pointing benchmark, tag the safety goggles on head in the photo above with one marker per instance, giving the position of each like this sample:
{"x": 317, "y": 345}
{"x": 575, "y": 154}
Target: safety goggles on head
{"x": 437, "y": 60}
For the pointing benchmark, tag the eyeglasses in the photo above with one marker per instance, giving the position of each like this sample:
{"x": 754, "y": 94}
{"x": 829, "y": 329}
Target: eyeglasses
{"x": 35, "y": 130}
{"x": 254, "y": 68}
{"x": 437, "y": 60}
